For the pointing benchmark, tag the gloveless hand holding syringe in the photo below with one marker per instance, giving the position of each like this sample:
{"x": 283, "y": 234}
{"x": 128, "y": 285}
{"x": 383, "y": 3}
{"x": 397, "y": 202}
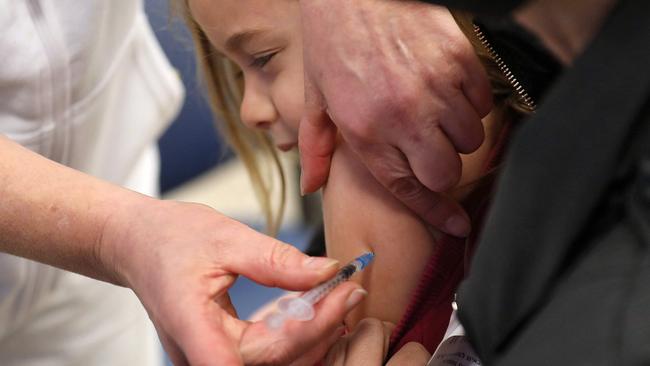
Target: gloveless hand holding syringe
{"x": 302, "y": 307}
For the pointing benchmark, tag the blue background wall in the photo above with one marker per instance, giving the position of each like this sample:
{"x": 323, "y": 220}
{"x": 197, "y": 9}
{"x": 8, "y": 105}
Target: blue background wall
{"x": 191, "y": 145}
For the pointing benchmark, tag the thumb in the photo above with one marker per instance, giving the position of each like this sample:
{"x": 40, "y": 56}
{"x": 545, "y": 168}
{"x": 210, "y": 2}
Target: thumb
{"x": 316, "y": 140}
{"x": 273, "y": 263}
{"x": 412, "y": 353}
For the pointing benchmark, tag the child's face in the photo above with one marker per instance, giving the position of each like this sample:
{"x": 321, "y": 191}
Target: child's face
{"x": 264, "y": 38}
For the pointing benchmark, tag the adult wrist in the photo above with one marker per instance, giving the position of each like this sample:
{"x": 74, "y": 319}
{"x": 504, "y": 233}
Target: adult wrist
{"x": 116, "y": 246}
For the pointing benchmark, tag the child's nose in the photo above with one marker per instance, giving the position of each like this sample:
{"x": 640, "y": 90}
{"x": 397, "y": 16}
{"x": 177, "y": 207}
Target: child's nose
{"x": 257, "y": 110}
{"x": 256, "y": 121}
{"x": 263, "y": 125}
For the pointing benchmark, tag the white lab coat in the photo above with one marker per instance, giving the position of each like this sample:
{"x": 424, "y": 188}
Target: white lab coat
{"x": 84, "y": 83}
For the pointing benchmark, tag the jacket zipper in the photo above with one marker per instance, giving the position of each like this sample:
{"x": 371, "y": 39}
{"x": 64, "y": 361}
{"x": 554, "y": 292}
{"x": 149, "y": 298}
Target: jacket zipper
{"x": 516, "y": 85}
{"x": 512, "y": 79}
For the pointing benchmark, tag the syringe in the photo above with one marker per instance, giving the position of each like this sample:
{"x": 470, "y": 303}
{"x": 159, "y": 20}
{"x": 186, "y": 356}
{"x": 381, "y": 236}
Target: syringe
{"x": 302, "y": 307}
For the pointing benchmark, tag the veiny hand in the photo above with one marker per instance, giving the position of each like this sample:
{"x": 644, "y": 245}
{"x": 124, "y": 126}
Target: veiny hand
{"x": 368, "y": 345}
{"x": 180, "y": 259}
{"x": 404, "y": 87}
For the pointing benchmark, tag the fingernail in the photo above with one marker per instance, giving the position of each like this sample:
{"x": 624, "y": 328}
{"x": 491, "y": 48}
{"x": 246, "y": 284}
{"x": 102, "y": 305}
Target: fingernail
{"x": 458, "y": 226}
{"x": 355, "y": 298}
{"x": 320, "y": 263}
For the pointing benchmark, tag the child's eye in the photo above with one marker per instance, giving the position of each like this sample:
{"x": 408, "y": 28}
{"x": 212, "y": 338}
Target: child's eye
{"x": 261, "y": 61}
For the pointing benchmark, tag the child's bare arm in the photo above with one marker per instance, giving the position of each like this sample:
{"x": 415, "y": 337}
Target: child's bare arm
{"x": 360, "y": 215}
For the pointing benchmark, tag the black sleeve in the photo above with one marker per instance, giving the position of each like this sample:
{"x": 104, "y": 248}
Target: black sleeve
{"x": 491, "y": 7}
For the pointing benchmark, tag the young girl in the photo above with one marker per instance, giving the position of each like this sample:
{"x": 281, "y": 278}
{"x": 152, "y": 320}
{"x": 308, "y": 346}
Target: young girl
{"x": 251, "y": 55}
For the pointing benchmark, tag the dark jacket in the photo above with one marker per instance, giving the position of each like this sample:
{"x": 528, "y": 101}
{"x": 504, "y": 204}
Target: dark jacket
{"x": 562, "y": 273}
{"x": 481, "y": 6}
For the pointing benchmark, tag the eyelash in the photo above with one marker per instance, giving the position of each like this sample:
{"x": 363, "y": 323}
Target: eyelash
{"x": 261, "y": 61}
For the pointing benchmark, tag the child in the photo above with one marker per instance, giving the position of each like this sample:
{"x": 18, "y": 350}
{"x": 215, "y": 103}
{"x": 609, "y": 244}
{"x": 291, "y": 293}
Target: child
{"x": 251, "y": 56}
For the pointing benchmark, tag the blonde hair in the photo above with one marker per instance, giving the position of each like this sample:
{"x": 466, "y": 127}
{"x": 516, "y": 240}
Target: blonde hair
{"x": 225, "y": 92}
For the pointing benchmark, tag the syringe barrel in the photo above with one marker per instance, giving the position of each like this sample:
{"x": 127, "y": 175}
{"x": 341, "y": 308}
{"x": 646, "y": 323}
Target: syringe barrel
{"x": 301, "y": 308}
{"x": 319, "y": 292}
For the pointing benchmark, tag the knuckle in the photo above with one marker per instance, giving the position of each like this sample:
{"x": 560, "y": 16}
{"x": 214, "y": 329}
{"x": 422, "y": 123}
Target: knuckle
{"x": 398, "y": 102}
{"x": 390, "y": 106}
{"x": 446, "y": 79}
{"x": 454, "y": 74}
{"x": 407, "y": 188}
{"x": 373, "y": 324}
{"x": 458, "y": 50}
{"x": 279, "y": 255}
{"x": 369, "y": 328}
{"x": 429, "y": 127}
{"x": 466, "y": 134}
{"x": 388, "y": 326}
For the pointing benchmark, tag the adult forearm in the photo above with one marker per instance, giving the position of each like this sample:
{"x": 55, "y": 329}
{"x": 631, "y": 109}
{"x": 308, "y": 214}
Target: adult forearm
{"x": 180, "y": 259}
{"x": 56, "y": 215}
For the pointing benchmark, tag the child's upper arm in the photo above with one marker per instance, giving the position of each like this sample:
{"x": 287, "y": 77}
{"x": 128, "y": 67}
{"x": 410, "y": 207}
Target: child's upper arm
{"x": 360, "y": 215}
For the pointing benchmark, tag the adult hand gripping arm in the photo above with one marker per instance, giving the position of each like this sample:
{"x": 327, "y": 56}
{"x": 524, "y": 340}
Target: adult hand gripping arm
{"x": 402, "y": 85}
